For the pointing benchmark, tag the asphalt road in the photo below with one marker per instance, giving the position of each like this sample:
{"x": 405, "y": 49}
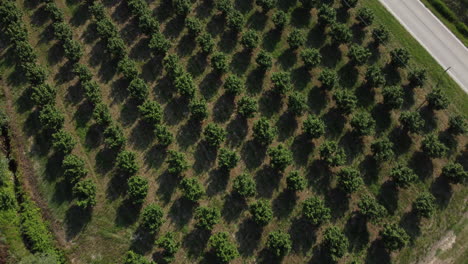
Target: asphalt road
{"x": 432, "y": 35}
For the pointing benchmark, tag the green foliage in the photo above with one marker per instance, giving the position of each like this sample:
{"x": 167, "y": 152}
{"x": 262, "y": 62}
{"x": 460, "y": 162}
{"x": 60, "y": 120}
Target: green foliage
{"x": 381, "y": 35}
{"x": 185, "y": 85}
{"x": 34, "y": 73}
{"x": 223, "y": 5}
{"x": 432, "y": 146}
{"x": 198, "y": 109}
{"x": 152, "y": 218}
{"x": 163, "y": 135}
{"x": 296, "y": 103}
{"x": 345, "y": 100}
{"x": 159, "y": 43}
{"x": 134, "y": 258}
{"x": 7, "y": 199}
{"x": 315, "y": 211}
{"x": 207, "y": 217}
{"x": 349, "y": 180}
{"x": 85, "y": 193}
{"x": 194, "y": 26}
{"x": 374, "y": 76}
{"x": 83, "y": 72}
{"x": 138, "y": 89}
{"x": 326, "y": 15}
{"x": 296, "y": 182}
{"x": 403, "y": 176}
{"x": 170, "y": 246}
{"x": 250, "y": 39}
{"x": 137, "y": 189}
{"x": 73, "y": 50}
{"x": 126, "y": 162}
{"x": 97, "y": 10}
{"x": 73, "y": 168}
{"x": 382, "y": 149}
{"x": 399, "y": 57}
{"x": 363, "y": 124}
{"x": 116, "y": 47}
{"x": 16, "y": 32}
{"x": 394, "y": 237}
{"x": 311, "y": 57}
{"x": 393, "y": 96}
{"x": 313, "y": 126}
{"x": 172, "y": 66}
{"x": 244, "y": 185}
{"x": 455, "y": 173}
{"x": 281, "y": 82}
{"x": 235, "y": 20}
{"x": 264, "y": 60}
{"x": 280, "y": 157}
{"x": 233, "y": 85}
{"x": 25, "y": 52}
{"x": 424, "y": 205}
{"x": 332, "y": 154}
{"x": 371, "y": 209}
{"x": 206, "y": 42}
{"x": 340, "y": 33}
{"x": 192, "y": 189}
{"x": 55, "y": 13}
{"x": 224, "y": 250}
{"x": 227, "y": 159}
{"x": 266, "y": 4}
{"x": 63, "y": 142}
{"x": 182, "y": 7}
{"x": 43, "y": 94}
{"x": 62, "y": 31}
{"x": 296, "y": 39}
{"x": 151, "y": 111}
{"x": 147, "y": 23}
{"x": 176, "y": 162}
{"x": 279, "y": 243}
{"x": 51, "y": 118}
{"x": 214, "y": 135}
{"x": 92, "y": 92}
{"x": 366, "y": 16}
{"x": 247, "y": 107}
{"x": 412, "y": 121}
{"x": 417, "y": 76}
{"x": 328, "y": 78}
{"x": 261, "y": 212}
{"x": 280, "y": 19}
{"x": 128, "y": 68}
{"x": 335, "y": 243}
{"x": 437, "y": 99}
{"x": 114, "y": 137}
{"x": 359, "y": 54}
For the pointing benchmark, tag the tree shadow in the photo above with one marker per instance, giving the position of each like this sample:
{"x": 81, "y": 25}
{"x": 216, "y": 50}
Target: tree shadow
{"x": 442, "y": 191}
{"x": 359, "y": 33}
{"x": 301, "y": 149}
{"x": 127, "y": 213}
{"x": 164, "y": 11}
{"x": 356, "y": 231}
{"x": 271, "y": 40}
{"x": 300, "y": 77}
{"x": 181, "y": 212}
{"x": 205, "y": 8}
{"x": 197, "y": 63}
{"x": 233, "y": 207}
{"x": 392, "y": 75}
{"x": 252, "y": 154}
{"x": 105, "y": 160}
{"x": 240, "y": 62}
{"x": 195, "y": 242}
{"x": 129, "y": 113}
{"x": 255, "y": 79}
{"x": 167, "y": 184}
{"x": 55, "y": 54}
{"x": 421, "y": 165}
{"x": 284, "y": 204}
{"x": 267, "y": 180}
{"x": 352, "y": 145}
{"x": 388, "y": 196}
{"x": 175, "y": 111}
{"x": 93, "y": 137}
{"x": 365, "y": 95}
{"x": 236, "y": 130}
{"x": 142, "y": 241}
{"x": 141, "y": 136}
{"x": 287, "y": 125}
{"x": 376, "y": 253}
{"x": 303, "y": 235}
{"x": 315, "y": 37}
{"x": 152, "y": 69}
{"x": 83, "y": 114}
{"x": 430, "y": 122}
{"x": 286, "y": 4}
{"x": 319, "y": 177}
{"x": 334, "y": 122}
{"x": 216, "y": 25}
{"x": 121, "y": 13}
{"x": 410, "y": 223}
{"x": 257, "y": 21}
{"x": 205, "y": 157}
{"x": 287, "y": 59}
{"x": 349, "y": 75}
{"x": 338, "y": 202}
{"x": 227, "y": 42}
{"x": 186, "y": 46}
{"x": 189, "y": 133}
{"x": 248, "y": 237}
{"x": 39, "y": 17}
{"x": 76, "y": 220}
{"x": 210, "y": 84}
{"x": 80, "y": 16}
{"x": 53, "y": 166}
{"x": 401, "y": 141}
{"x": 117, "y": 186}
{"x": 154, "y": 157}
{"x": 369, "y": 170}
{"x": 333, "y": 55}
{"x": 223, "y": 108}
{"x": 300, "y": 17}
{"x": 270, "y": 103}
{"x": 217, "y": 182}
{"x": 317, "y": 99}
{"x": 382, "y": 118}
{"x": 140, "y": 51}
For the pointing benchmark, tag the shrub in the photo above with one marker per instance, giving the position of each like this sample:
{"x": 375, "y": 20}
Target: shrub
{"x": 199, "y": 109}
{"x": 363, "y": 124}
{"x": 85, "y": 193}
{"x": 417, "y": 76}
{"x": 194, "y": 26}
{"x": 326, "y": 15}
{"x": 182, "y": 7}
{"x": 393, "y": 96}
{"x": 433, "y": 147}
{"x": 62, "y": 31}
{"x": 261, "y": 212}
{"x": 296, "y": 39}
{"x": 25, "y": 52}
{"x": 148, "y": 24}
{"x": 128, "y": 68}
{"x": 400, "y": 57}
{"x": 345, "y": 101}
{"x": 137, "y": 189}
{"x": 51, "y": 118}
{"x": 97, "y": 10}
{"x": 223, "y": 5}
{"x": 163, "y": 135}
{"x": 280, "y": 157}
{"x": 264, "y": 60}
{"x": 55, "y": 12}
{"x": 134, "y": 258}
{"x": 403, "y": 176}
{"x": 281, "y": 82}
{"x": 332, "y": 154}
{"x": 349, "y": 180}
{"x": 311, "y": 57}
{"x": 7, "y": 200}
{"x": 172, "y": 65}
{"x": 185, "y": 85}
{"x": 176, "y": 162}
{"x": 151, "y": 111}
{"x": 73, "y": 50}
{"x": 340, "y": 33}
{"x": 227, "y": 159}
{"x": 437, "y": 99}
{"x": 233, "y": 85}
{"x": 455, "y": 173}
{"x": 73, "y": 168}
{"x": 375, "y": 76}
{"x": 263, "y": 133}
{"x": 235, "y": 20}
{"x": 382, "y": 149}
{"x": 335, "y": 243}
{"x": 206, "y": 42}
{"x": 244, "y": 185}
{"x": 126, "y": 162}
{"x": 371, "y": 209}
{"x": 313, "y": 127}
{"x": 114, "y": 137}
{"x": 138, "y": 89}
{"x": 412, "y": 121}
{"x": 295, "y": 181}
{"x": 279, "y": 243}
{"x": 34, "y": 73}
{"x": 170, "y": 246}
{"x": 359, "y": 54}
{"x": 296, "y": 104}
{"x": 214, "y": 135}
{"x": 315, "y": 211}
{"x": 16, "y": 32}
{"x": 247, "y": 107}
{"x": 394, "y": 237}
{"x": 159, "y": 43}
{"x": 92, "y": 92}
{"x": 63, "y": 142}
{"x": 266, "y": 4}
{"x": 207, "y": 217}
{"x": 424, "y": 205}
{"x": 250, "y": 39}
{"x": 224, "y": 250}
{"x": 219, "y": 62}
{"x": 328, "y": 78}
{"x": 43, "y": 94}
{"x": 381, "y": 35}
{"x": 280, "y": 19}
{"x": 366, "y": 16}
{"x": 116, "y": 47}
{"x": 457, "y": 125}
{"x": 152, "y": 218}
{"x": 83, "y": 72}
